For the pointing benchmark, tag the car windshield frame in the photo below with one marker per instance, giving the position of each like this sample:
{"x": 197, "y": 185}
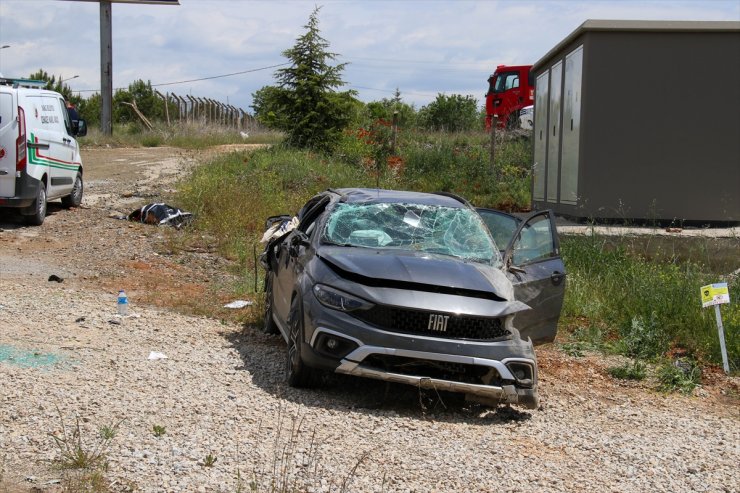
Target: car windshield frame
{"x": 457, "y": 232}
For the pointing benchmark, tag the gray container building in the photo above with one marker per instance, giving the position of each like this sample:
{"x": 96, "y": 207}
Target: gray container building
{"x": 640, "y": 120}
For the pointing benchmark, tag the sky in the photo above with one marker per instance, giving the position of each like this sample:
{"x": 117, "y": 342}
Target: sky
{"x": 421, "y": 47}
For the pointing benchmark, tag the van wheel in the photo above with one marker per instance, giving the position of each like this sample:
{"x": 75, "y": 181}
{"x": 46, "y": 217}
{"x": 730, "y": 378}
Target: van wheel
{"x": 36, "y": 218}
{"x": 296, "y": 371}
{"x": 74, "y": 199}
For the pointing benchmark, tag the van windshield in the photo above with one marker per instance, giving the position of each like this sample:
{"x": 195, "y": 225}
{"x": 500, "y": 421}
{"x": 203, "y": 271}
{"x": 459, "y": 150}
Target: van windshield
{"x": 456, "y": 232}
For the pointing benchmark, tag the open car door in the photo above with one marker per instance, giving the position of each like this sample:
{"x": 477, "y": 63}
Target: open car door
{"x": 533, "y": 263}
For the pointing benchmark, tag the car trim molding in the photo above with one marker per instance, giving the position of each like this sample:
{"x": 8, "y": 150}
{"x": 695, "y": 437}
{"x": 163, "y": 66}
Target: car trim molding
{"x": 354, "y": 360}
{"x": 323, "y": 330}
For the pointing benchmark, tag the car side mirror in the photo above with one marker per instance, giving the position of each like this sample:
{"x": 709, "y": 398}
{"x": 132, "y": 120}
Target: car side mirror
{"x": 298, "y": 240}
{"x": 79, "y": 127}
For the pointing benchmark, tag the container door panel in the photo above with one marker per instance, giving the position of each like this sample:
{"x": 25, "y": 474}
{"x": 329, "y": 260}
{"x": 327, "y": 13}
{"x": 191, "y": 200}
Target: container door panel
{"x": 553, "y": 132}
{"x": 8, "y": 136}
{"x": 540, "y": 133}
{"x": 571, "y": 127}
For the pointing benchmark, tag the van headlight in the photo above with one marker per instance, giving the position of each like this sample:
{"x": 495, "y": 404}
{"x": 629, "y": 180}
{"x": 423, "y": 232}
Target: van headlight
{"x": 339, "y": 300}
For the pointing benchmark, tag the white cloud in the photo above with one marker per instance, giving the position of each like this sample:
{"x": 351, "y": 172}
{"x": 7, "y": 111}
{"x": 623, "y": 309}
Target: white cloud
{"x": 422, "y": 47}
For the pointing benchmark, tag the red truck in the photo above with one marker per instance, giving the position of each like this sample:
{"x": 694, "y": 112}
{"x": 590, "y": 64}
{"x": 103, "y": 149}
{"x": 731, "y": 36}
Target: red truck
{"x": 510, "y": 89}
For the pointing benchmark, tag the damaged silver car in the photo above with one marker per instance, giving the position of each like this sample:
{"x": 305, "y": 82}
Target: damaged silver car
{"x": 411, "y": 288}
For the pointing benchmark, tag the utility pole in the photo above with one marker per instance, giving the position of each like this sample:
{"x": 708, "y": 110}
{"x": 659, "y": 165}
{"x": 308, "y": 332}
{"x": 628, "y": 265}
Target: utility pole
{"x": 106, "y": 68}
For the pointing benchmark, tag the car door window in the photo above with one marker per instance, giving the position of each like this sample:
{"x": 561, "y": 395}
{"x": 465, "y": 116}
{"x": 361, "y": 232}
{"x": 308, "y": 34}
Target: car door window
{"x": 501, "y": 225}
{"x": 65, "y": 116}
{"x": 535, "y": 241}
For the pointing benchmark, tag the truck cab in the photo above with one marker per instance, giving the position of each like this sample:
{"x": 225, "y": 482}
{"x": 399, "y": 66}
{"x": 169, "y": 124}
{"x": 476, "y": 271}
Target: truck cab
{"x": 510, "y": 88}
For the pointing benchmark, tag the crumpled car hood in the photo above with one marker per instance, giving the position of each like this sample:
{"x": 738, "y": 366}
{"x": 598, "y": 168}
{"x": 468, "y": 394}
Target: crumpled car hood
{"x": 399, "y": 266}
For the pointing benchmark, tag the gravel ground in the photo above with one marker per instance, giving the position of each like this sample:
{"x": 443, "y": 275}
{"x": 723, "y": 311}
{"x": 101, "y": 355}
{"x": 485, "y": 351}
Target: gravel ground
{"x": 231, "y": 423}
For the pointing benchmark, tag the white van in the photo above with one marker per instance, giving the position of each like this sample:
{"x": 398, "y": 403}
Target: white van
{"x": 39, "y": 156}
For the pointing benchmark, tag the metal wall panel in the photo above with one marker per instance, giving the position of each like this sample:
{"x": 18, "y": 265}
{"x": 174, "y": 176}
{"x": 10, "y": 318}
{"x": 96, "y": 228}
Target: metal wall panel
{"x": 540, "y": 135}
{"x": 553, "y": 132}
{"x": 571, "y": 127}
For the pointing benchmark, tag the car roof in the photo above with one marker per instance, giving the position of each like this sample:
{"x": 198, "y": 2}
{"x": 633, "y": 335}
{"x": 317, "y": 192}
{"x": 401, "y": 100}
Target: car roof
{"x": 378, "y": 195}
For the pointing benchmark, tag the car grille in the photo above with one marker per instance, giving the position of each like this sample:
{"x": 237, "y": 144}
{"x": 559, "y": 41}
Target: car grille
{"x": 417, "y": 322}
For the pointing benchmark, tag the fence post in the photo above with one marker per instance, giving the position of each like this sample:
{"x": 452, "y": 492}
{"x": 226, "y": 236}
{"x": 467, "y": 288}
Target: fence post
{"x": 394, "y": 134}
{"x": 166, "y": 111}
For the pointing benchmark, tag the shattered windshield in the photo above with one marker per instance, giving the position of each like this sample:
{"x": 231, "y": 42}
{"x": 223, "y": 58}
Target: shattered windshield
{"x": 458, "y": 232}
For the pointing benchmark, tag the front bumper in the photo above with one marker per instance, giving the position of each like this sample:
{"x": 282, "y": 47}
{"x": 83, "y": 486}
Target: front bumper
{"x": 482, "y": 370}
{"x": 353, "y": 364}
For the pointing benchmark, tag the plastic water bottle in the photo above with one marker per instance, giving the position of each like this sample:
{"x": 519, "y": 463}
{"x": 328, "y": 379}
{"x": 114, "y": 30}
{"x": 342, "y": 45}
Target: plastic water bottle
{"x": 122, "y": 303}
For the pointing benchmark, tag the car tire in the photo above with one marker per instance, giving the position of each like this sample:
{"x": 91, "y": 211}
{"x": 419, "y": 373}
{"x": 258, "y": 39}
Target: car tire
{"x": 269, "y": 326}
{"x": 38, "y": 209}
{"x": 296, "y": 371}
{"x": 74, "y": 199}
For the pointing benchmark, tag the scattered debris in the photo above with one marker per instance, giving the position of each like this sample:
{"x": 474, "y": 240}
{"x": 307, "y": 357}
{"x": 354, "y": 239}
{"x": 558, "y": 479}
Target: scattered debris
{"x": 673, "y": 230}
{"x": 154, "y": 355}
{"x": 239, "y": 304}
{"x": 279, "y": 227}
{"x": 161, "y": 213}
{"x": 80, "y": 320}
{"x": 114, "y": 321}
{"x": 55, "y": 278}
{"x": 27, "y": 358}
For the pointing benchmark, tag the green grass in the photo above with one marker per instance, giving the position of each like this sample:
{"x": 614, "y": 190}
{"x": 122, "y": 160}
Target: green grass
{"x": 645, "y": 306}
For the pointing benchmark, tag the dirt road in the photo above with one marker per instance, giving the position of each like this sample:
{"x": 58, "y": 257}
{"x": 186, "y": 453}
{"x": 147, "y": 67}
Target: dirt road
{"x": 216, "y": 414}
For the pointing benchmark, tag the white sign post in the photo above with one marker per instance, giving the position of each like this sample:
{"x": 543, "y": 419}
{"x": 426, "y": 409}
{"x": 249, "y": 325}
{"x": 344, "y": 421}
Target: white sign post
{"x": 715, "y": 295}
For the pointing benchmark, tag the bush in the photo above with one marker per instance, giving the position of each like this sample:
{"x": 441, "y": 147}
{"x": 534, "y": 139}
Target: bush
{"x": 682, "y": 375}
{"x": 629, "y": 371}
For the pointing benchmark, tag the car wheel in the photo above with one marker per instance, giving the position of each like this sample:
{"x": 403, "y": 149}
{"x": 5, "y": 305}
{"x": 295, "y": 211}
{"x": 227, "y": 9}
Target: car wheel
{"x": 269, "y": 327}
{"x": 74, "y": 199}
{"x": 38, "y": 214}
{"x": 297, "y": 373}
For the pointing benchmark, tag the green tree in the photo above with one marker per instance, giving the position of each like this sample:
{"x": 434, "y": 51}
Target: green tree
{"x": 55, "y": 84}
{"x": 147, "y": 101}
{"x": 90, "y": 108}
{"x": 312, "y": 109}
{"x": 266, "y": 107}
{"x": 453, "y": 113}
{"x": 384, "y": 109}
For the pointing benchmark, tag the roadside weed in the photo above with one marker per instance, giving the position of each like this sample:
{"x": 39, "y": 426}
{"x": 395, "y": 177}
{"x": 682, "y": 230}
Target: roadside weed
{"x": 210, "y": 460}
{"x": 74, "y": 453}
{"x": 108, "y": 432}
{"x": 159, "y": 431}
{"x": 682, "y": 375}
{"x": 629, "y": 371}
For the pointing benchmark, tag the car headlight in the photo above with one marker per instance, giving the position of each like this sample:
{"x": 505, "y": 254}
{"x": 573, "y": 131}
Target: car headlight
{"x": 339, "y": 300}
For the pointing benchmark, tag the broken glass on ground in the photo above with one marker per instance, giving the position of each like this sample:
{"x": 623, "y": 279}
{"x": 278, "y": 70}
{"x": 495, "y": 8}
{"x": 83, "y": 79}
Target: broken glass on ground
{"x": 457, "y": 232}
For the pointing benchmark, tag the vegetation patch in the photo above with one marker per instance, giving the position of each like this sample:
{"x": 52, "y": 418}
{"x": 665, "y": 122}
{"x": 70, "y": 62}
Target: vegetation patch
{"x": 635, "y": 370}
{"x": 645, "y": 307}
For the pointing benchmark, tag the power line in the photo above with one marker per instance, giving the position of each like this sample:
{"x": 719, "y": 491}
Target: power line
{"x": 199, "y": 79}
{"x": 428, "y": 62}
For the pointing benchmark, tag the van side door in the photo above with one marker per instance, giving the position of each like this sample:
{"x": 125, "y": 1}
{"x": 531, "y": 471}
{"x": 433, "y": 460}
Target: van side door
{"x": 63, "y": 155}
